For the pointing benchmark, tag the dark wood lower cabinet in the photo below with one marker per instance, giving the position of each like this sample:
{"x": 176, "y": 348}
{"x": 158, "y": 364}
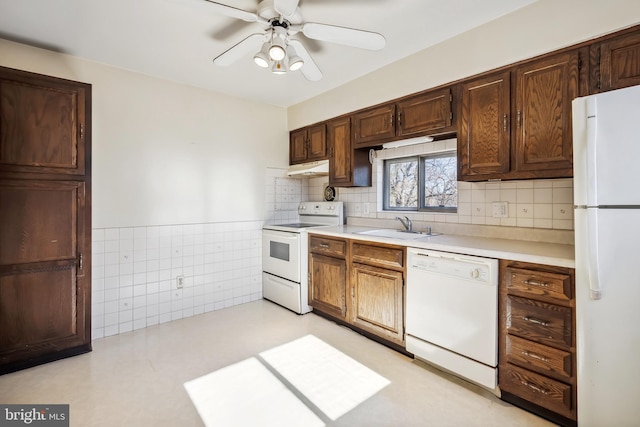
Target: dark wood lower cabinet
{"x": 359, "y": 284}
{"x": 327, "y": 286}
{"x": 45, "y": 219}
{"x": 543, "y": 391}
{"x": 377, "y": 301}
{"x": 537, "y": 340}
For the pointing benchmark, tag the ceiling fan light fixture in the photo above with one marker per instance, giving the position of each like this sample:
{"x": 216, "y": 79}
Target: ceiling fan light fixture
{"x": 277, "y": 50}
{"x": 295, "y": 62}
{"x": 262, "y": 57}
{"x": 279, "y": 67}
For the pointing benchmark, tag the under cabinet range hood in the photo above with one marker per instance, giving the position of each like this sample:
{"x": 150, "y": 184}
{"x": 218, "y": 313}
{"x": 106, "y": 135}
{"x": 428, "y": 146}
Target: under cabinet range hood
{"x": 302, "y": 170}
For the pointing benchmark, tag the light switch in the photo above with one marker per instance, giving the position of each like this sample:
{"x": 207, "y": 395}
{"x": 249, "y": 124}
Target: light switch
{"x": 500, "y": 209}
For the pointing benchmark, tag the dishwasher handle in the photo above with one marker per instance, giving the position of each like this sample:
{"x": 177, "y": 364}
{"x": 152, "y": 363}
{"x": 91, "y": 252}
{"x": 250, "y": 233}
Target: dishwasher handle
{"x": 465, "y": 267}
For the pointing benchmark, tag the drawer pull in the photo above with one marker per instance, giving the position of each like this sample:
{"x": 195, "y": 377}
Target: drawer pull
{"x": 535, "y": 356}
{"x": 536, "y": 283}
{"x": 536, "y": 321}
{"x": 534, "y": 387}
{"x": 324, "y": 245}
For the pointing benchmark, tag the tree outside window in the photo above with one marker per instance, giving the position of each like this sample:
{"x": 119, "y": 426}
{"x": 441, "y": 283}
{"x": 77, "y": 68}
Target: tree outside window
{"x": 425, "y": 183}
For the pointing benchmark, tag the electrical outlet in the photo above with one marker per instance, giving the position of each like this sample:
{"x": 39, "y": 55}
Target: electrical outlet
{"x": 500, "y": 209}
{"x": 180, "y": 282}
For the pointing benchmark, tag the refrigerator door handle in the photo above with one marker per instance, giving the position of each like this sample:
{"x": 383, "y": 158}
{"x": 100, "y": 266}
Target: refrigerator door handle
{"x": 592, "y": 145}
{"x": 594, "y": 256}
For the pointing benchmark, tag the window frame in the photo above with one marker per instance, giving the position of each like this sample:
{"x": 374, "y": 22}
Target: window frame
{"x": 386, "y": 190}
{"x": 421, "y": 183}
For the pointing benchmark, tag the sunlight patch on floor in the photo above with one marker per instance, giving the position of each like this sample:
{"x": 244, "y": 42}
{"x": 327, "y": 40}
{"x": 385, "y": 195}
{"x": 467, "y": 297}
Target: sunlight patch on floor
{"x": 330, "y": 379}
{"x": 247, "y": 394}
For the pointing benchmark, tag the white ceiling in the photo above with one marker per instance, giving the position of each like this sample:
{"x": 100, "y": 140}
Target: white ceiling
{"x": 177, "y": 39}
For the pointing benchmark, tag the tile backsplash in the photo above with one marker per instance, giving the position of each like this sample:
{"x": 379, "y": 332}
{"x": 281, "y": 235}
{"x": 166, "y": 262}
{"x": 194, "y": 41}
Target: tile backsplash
{"x": 135, "y": 270}
{"x": 283, "y": 195}
{"x": 541, "y": 203}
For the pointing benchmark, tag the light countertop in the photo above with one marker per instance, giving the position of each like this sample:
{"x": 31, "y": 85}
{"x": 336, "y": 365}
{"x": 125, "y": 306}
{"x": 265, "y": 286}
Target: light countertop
{"x": 555, "y": 254}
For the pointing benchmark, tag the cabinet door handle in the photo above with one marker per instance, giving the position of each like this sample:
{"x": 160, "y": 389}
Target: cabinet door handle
{"x": 353, "y": 292}
{"x": 504, "y": 123}
{"x": 81, "y": 262}
{"x": 534, "y": 387}
{"x": 324, "y": 245}
{"x": 391, "y": 120}
{"x": 536, "y": 321}
{"x": 519, "y": 117}
{"x": 399, "y": 118}
{"x": 535, "y": 356}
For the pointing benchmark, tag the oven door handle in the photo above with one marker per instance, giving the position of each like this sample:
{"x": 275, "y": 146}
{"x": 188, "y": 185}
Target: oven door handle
{"x": 279, "y": 235}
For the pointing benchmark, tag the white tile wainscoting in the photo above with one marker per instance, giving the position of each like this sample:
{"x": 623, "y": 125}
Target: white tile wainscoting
{"x": 134, "y": 272}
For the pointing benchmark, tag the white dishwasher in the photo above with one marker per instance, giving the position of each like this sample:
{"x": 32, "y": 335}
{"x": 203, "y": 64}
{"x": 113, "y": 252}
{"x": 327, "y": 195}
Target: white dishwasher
{"x": 452, "y": 313}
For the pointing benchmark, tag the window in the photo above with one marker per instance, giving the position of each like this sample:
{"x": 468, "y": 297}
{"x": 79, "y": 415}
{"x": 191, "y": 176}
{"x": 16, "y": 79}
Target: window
{"x": 421, "y": 183}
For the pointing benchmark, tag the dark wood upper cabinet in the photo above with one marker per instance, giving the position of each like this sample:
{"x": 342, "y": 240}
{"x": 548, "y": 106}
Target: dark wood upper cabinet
{"x": 308, "y": 144}
{"x": 374, "y": 125}
{"x": 615, "y": 63}
{"x": 340, "y": 152}
{"x": 347, "y": 167}
{"x": 512, "y": 123}
{"x": 543, "y": 138}
{"x": 298, "y": 146}
{"x": 45, "y": 219}
{"x": 484, "y": 127}
{"x": 516, "y": 124}
{"x": 42, "y": 126}
{"x": 426, "y": 113}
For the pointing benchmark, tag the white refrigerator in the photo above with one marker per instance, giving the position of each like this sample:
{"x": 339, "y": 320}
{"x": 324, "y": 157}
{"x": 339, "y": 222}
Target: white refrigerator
{"x": 606, "y": 145}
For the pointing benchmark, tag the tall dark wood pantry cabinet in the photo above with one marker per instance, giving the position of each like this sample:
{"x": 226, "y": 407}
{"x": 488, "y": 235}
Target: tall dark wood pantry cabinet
{"x": 45, "y": 219}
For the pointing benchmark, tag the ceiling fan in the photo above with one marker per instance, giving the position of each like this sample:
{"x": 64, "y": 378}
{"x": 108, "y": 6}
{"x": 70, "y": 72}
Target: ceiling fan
{"x": 280, "y": 51}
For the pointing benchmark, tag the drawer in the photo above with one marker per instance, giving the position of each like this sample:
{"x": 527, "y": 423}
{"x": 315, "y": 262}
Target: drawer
{"x": 540, "y": 358}
{"x": 546, "y": 392}
{"x": 384, "y": 256}
{"x": 327, "y": 246}
{"x": 539, "y": 283}
{"x": 539, "y": 321}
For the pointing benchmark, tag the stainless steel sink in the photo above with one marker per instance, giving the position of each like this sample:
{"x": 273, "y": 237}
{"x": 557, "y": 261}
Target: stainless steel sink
{"x": 396, "y": 234}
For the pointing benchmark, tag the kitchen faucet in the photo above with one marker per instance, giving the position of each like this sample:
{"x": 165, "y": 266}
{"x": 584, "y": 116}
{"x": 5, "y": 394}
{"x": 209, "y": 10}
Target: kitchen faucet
{"x": 406, "y": 223}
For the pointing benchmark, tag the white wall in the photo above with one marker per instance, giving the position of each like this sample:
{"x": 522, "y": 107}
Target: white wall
{"x": 167, "y": 153}
{"x": 544, "y": 26}
{"x": 178, "y": 190}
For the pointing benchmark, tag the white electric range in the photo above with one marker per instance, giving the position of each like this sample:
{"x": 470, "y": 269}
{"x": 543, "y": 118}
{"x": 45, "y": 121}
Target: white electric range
{"x": 285, "y": 264}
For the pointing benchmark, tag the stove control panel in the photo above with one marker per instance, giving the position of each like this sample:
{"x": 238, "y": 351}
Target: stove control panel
{"x": 315, "y": 211}
{"x": 320, "y": 208}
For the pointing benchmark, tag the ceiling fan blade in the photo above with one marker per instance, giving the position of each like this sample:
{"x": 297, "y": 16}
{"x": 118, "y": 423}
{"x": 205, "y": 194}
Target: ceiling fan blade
{"x": 233, "y": 12}
{"x": 285, "y": 8}
{"x": 310, "y": 70}
{"x": 343, "y": 35}
{"x": 250, "y": 44}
